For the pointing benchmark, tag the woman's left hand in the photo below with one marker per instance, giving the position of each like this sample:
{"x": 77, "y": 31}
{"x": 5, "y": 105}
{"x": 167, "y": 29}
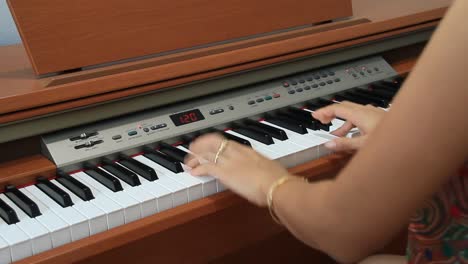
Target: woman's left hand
{"x": 238, "y": 167}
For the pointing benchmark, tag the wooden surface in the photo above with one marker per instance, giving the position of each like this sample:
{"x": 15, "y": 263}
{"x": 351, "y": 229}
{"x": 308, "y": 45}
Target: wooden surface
{"x": 22, "y": 94}
{"x": 25, "y": 170}
{"x": 63, "y": 35}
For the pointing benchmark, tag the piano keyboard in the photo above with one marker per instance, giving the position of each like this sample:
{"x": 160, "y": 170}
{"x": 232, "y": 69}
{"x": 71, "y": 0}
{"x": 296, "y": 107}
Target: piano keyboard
{"x": 118, "y": 188}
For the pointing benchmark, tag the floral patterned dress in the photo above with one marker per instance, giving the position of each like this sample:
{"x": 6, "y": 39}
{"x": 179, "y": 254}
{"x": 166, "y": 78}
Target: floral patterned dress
{"x": 438, "y": 232}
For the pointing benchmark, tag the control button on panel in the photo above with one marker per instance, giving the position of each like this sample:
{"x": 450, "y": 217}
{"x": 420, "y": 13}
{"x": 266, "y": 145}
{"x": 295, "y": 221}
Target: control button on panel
{"x": 323, "y": 84}
{"x": 84, "y": 136}
{"x": 300, "y": 90}
{"x": 117, "y": 137}
{"x": 331, "y": 73}
{"x": 301, "y": 81}
{"x": 354, "y": 75}
{"x": 324, "y": 75}
{"x": 163, "y": 125}
{"x": 329, "y": 81}
{"x": 285, "y": 84}
{"x": 337, "y": 80}
{"x": 251, "y": 102}
{"x": 276, "y": 96}
{"x": 268, "y": 98}
{"x": 216, "y": 111}
{"x": 315, "y": 85}
{"x": 259, "y": 100}
{"x": 317, "y": 77}
{"x": 291, "y": 92}
{"x": 231, "y": 107}
{"x": 310, "y": 79}
{"x": 146, "y": 129}
{"x": 132, "y": 133}
{"x": 307, "y": 88}
{"x": 294, "y": 83}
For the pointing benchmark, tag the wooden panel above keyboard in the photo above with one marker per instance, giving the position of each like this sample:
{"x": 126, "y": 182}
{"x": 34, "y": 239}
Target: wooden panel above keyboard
{"x": 63, "y": 35}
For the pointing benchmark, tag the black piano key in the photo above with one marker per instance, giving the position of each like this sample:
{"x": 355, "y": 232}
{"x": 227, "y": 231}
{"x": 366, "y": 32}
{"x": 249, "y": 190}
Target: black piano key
{"x": 54, "y": 192}
{"x": 141, "y": 169}
{"x": 374, "y": 99}
{"x": 377, "y": 93}
{"x": 120, "y": 172}
{"x": 354, "y": 99}
{"x": 75, "y": 186}
{"x": 385, "y": 86}
{"x": 318, "y": 103}
{"x": 237, "y": 139}
{"x": 172, "y": 151}
{"x": 287, "y": 124}
{"x": 7, "y": 213}
{"x": 308, "y": 115}
{"x": 22, "y": 201}
{"x": 272, "y": 131}
{"x": 187, "y": 139}
{"x": 262, "y": 137}
{"x": 104, "y": 178}
{"x": 163, "y": 160}
{"x": 307, "y": 122}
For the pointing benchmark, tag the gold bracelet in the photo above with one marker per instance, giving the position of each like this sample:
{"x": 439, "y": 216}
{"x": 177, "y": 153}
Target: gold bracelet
{"x": 270, "y": 193}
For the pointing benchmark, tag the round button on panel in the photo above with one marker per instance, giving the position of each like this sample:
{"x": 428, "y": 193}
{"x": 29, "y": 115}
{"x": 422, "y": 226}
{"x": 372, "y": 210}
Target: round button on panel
{"x": 291, "y": 92}
{"x": 323, "y": 84}
{"x": 300, "y": 90}
{"x": 307, "y": 88}
{"x": 146, "y": 129}
{"x": 329, "y": 81}
{"x": 315, "y": 85}
{"x": 251, "y": 102}
{"x": 259, "y": 100}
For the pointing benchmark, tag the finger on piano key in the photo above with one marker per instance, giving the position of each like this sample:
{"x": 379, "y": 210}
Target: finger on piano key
{"x": 139, "y": 168}
{"x": 210, "y": 185}
{"x": 118, "y": 171}
{"x": 180, "y": 193}
{"x": 23, "y": 202}
{"x": 54, "y": 192}
{"x": 19, "y": 243}
{"x": 38, "y": 234}
{"x": 163, "y": 160}
{"x": 172, "y": 152}
{"x": 147, "y": 202}
{"x": 132, "y": 209}
{"x": 272, "y": 131}
{"x": 96, "y": 217}
{"x": 7, "y": 213}
{"x": 115, "y": 212}
{"x": 306, "y": 122}
{"x": 59, "y": 230}
{"x": 75, "y": 186}
{"x": 194, "y": 186}
{"x": 5, "y": 256}
{"x": 103, "y": 177}
{"x": 79, "y": 224}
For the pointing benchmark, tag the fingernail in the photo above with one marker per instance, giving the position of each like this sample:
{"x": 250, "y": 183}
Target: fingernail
{"x": 330, "y": 144}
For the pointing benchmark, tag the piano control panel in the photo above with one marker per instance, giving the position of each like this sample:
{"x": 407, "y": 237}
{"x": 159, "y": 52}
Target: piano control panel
{"x": 129, "y": 134}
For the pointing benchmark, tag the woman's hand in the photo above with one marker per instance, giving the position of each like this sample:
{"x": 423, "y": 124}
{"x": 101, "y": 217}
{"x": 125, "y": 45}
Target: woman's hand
{"x": 365, "y": 118}
{"x": 238, "y": 167}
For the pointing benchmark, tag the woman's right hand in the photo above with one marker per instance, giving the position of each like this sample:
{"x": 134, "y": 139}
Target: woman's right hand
{"x": 365, "y": 118}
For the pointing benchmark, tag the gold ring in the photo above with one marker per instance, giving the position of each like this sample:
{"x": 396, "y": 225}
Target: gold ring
{"x": 221, "y": 149}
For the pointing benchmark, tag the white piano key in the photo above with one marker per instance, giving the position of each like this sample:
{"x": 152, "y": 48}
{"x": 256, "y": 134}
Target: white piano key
{"x": 179, "y": 191}
{"x": 96, "y": 217}
{"x": 115, "y": 212}
{"x": 39, "y": 235}
{"x": 209, "y": 182}
{"x": 131, "y": 206}
{"x": 147, "y": 201}
{"x": 163, "y": 195}
{"x": 59, "y": 230}
{"x": 5, "y": 256}
{"x": 19, "y": 242}
{"x": 193, "y": 185}
{"x": 78, "y": 223}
